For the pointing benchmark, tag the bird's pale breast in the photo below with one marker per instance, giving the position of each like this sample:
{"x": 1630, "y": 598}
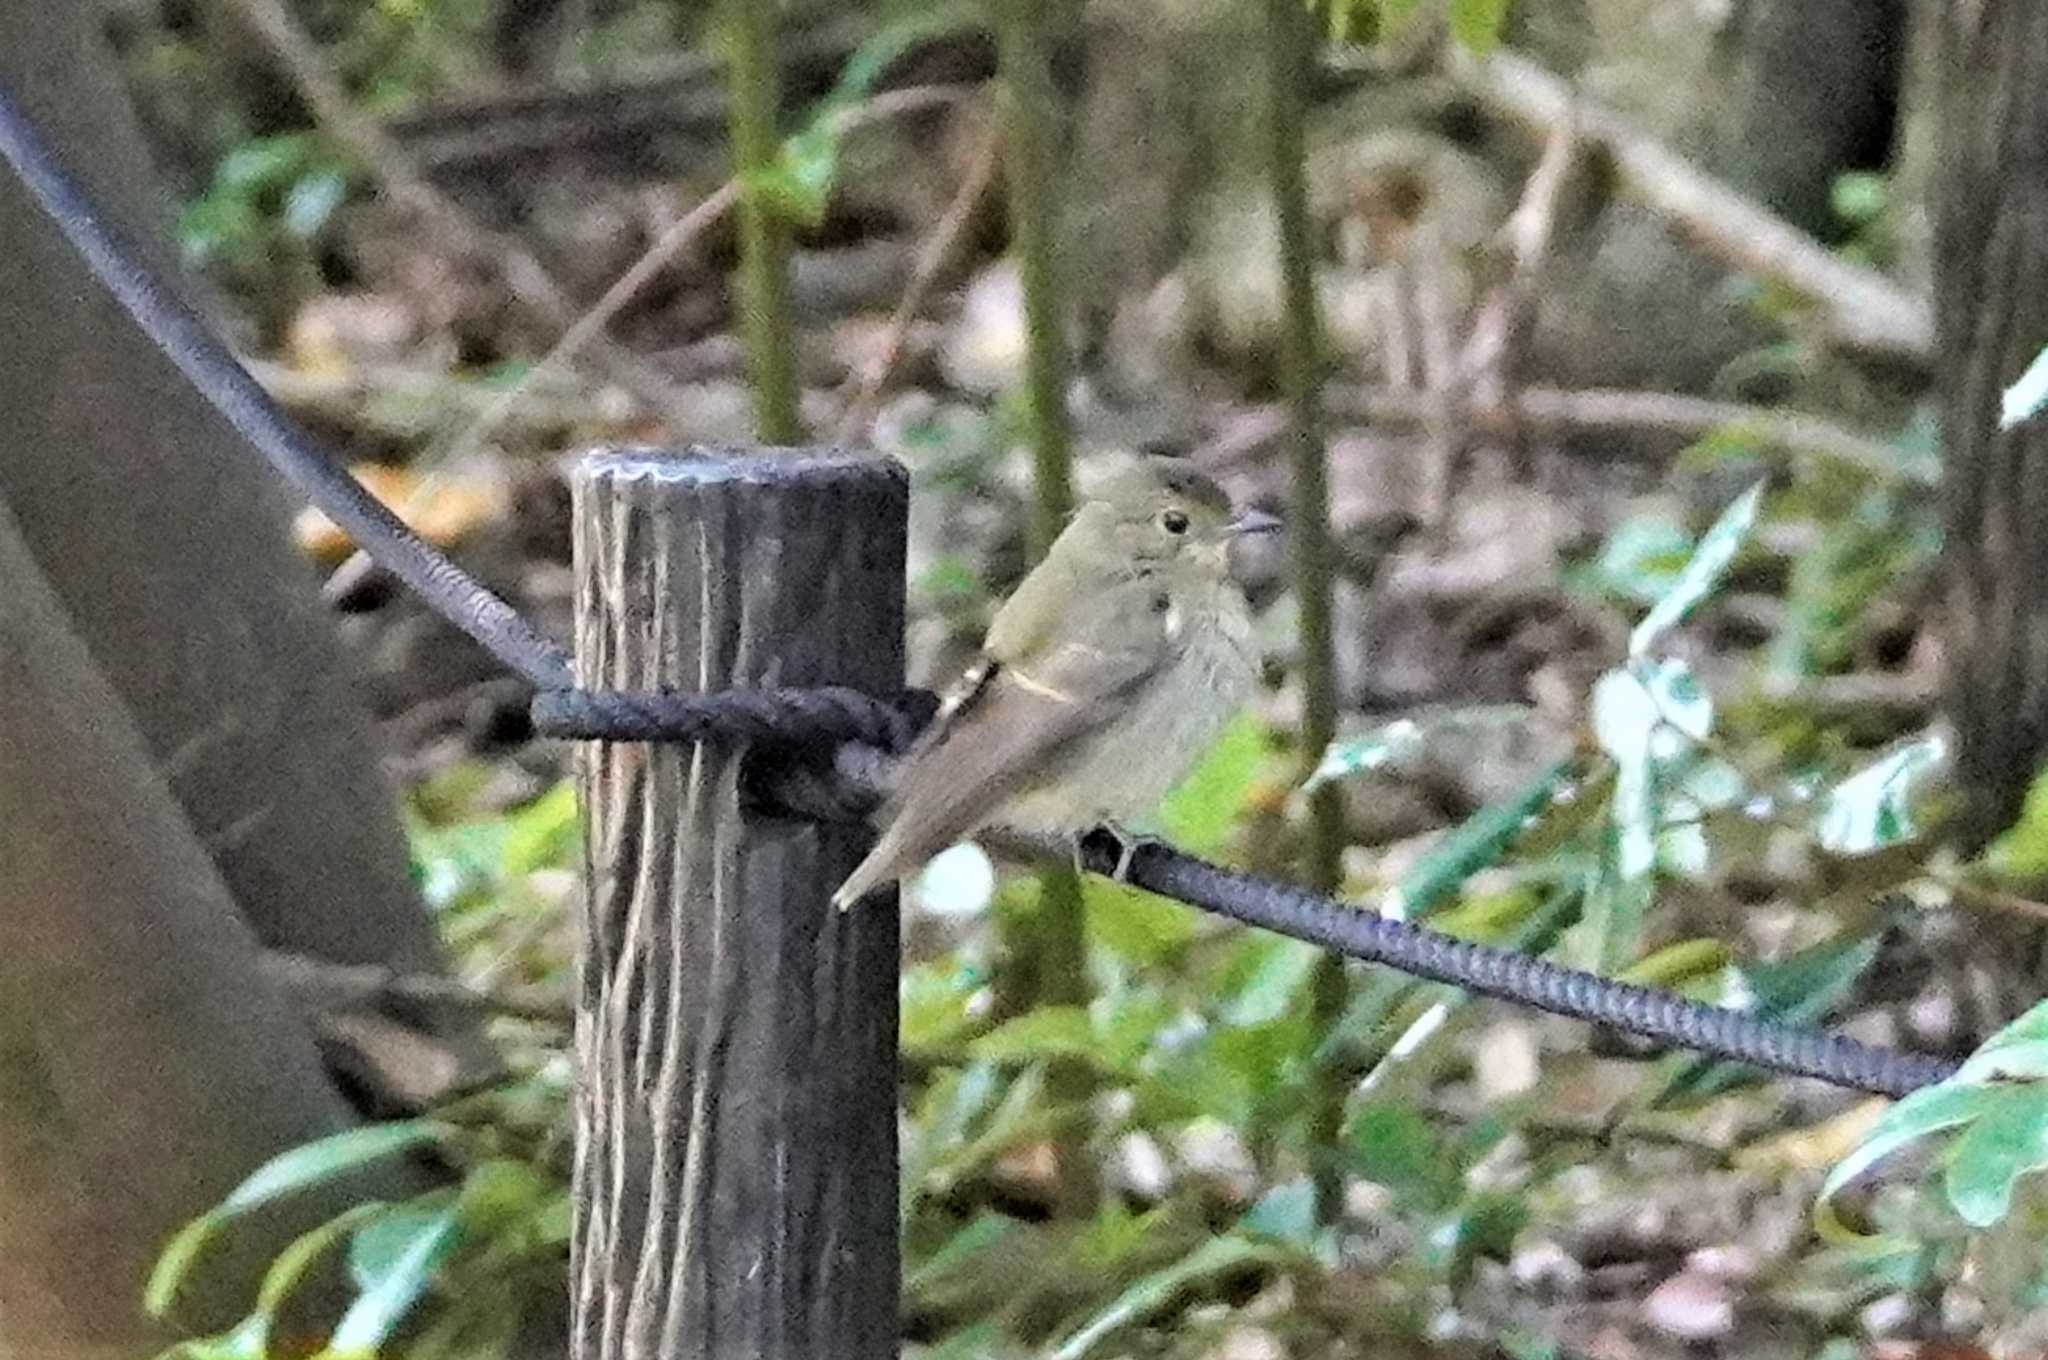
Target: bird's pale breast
{"x": 1174, "y": 717}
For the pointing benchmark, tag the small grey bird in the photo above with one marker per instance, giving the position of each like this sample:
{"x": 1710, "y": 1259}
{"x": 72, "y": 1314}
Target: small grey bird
{"x": 1105, "y": 676}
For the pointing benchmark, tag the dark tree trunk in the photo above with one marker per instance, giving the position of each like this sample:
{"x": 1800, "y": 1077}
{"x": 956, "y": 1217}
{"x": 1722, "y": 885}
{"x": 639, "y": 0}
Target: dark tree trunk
{"x": 1815, "y": 88}
{"x": 1991, "y": 261}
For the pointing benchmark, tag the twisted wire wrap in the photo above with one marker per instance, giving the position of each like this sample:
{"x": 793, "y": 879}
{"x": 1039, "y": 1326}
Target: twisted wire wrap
{"x": 789, "y": 716}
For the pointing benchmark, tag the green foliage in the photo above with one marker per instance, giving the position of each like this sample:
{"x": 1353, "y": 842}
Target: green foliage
{"x": 289, "y": 1173}
{"x": 480, "y": 1246}
{"x": 269, "y": 192}
{"x": 1996, "y": 1108}
{"x": 1475, "y": 24}
{"x": 799, "y": 182}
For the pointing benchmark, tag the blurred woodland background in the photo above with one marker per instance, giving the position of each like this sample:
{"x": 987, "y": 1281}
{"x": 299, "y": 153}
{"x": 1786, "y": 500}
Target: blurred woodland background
{"x": 1522, "y": 299}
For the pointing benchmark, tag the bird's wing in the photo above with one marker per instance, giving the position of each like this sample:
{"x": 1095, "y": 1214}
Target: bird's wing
{"x": 1009, "y": 720}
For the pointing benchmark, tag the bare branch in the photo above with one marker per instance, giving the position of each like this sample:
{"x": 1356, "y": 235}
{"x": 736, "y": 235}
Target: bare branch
{"x": 320, "y": 986}
{"x": 1552, "y": 409}
{"x": 932, "y": 256}
{"x": 1863, "y": 310}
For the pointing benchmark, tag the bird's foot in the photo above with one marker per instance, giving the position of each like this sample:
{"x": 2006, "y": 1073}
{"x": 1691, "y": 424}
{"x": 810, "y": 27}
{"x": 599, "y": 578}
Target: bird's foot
{"x": 1128, "y": 844}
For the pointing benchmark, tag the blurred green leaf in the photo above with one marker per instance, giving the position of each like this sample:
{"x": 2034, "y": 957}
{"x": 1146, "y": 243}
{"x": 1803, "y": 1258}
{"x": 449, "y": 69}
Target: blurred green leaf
{"x": 1680, "y": 702}
{"x": 174, "y": 1262}
{"x": 265, "y": 162}
{"x": 544, "y": 834}
{"x": 325, "y": 1159}
{"x": 1139, "y": 928}
{"x": 1266, "y": 979}
{"x": 399, "y": 1270}
{"x": 289, "y": 1266}
{"x": 933, "y": 1004}
{"x": 1125, "y": 1025}
{"x": 1617, "y": 904}
{"x": 1695, "y": 967}
{"x": 1642, "y": 557}
{"x": 1926, "y": 1111}
{"x": 501, "y": 1192}
{"x": 1047, "y": 1032}
{"x": 941, "y": 1122}
{"x": 1998, "y": 1146}
{"x": 1220, "y": 1257}
{"x": 1483, "y": 1227}
{"x": 1476, "y": 843}
{"x": 1405, "y": 738}
{"x": 1874, "y": 808}
{"x": 1286, "y": 1213}
{"x": 288, "y": 1173}
{"x": 2027, "y": 395}
{"x": 1477, "y": 24}
{"x": 799, "y": 184}
{"x": 1399, "y": 1149}
{"x": 1859, "y": 198}
{"x": 1702, "y": 574}
{"x": 1266, "y": 1057}
{"x": 2018, "y": 1052}
{"x": 1625, "y": 721}
{"x": 1200, "y": 812}
{"x": 211, "y": 227}
{"x": 380, "y": 1246}
{"x": 311, "y": 202}
{"x": 2021, "y": 851}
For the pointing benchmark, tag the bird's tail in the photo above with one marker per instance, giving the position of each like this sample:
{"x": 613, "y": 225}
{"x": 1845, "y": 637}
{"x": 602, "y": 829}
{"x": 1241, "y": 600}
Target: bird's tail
{"x": 881, "y": 866}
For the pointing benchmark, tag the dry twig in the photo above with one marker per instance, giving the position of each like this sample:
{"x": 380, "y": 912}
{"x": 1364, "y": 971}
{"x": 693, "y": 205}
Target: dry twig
{"x": 318, "y": 985}
{"x": 1497, "y": 347}
{"x": 1552, "y": 409}
{"x": 1862, "y": 309}
{"x": 932, "y": 257}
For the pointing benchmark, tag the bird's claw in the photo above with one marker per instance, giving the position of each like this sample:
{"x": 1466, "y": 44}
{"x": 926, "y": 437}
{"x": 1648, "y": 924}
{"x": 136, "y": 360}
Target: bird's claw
{"x": 1128, "y": 844}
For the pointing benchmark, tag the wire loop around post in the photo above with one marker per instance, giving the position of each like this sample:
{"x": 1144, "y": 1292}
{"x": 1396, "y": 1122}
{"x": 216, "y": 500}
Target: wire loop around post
{"x": 815, "y": 716}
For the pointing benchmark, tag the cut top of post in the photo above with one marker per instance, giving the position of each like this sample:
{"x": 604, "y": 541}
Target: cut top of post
{"x": 698, "y": 464}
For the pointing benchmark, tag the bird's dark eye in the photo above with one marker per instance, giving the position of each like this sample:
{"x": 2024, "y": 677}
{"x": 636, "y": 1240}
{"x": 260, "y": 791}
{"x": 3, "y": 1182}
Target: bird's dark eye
{"x": 1174, "y": 521}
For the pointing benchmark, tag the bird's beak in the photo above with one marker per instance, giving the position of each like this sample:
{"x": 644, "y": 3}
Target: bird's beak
{"x": 1252, "y": 522}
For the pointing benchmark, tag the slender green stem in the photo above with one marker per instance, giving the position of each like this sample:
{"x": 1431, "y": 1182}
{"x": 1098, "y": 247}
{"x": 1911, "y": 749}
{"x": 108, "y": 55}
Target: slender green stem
{"x": 1049, "y": 958}
{"x": 1290, "y": 55}
{"x": 749, "y": 31}
{"x": 1027, "y": 100}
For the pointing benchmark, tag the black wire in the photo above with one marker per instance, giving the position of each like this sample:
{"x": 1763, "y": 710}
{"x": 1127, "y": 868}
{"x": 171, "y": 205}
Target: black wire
{"x": 1364, "y": 934}
{"x": 184, "y": 338}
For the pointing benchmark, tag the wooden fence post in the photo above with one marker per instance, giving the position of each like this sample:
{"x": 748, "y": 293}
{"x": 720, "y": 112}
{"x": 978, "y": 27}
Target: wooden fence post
{"x": 736, "y": 1172}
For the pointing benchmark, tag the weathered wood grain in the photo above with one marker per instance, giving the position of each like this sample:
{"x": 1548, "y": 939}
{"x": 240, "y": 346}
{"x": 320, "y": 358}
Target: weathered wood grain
{"x": 736, "y": 1143}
